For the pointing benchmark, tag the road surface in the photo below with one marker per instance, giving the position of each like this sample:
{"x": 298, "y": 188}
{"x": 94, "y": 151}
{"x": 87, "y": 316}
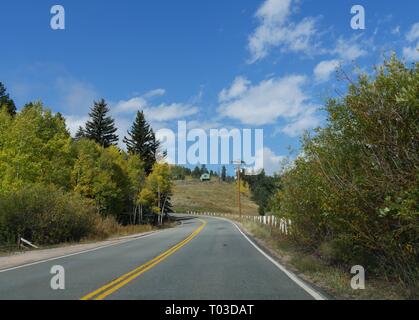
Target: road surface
{"x": 202, "y": 258}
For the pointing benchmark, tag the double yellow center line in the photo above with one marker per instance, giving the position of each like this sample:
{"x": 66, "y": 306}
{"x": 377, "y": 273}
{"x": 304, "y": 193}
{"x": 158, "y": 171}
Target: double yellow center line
{"x": 117, "y": 284}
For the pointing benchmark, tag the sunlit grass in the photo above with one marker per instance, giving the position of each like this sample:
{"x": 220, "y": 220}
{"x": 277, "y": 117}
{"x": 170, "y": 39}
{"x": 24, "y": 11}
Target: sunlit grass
{"x": 214, "y": 196}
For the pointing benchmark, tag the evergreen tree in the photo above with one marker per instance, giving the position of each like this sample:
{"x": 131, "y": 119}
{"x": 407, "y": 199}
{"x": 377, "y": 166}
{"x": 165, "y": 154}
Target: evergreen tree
{"x": 204, "y": 169}
{"x": 101, "y": 127}
{"x": 80, "y": 134}
{"x": 142, "y": 141}
{"x": 5, "y": 101}
{"x": 224, "y": 174}
{"x": 196, "y": 173}
{"x": 154, "y": 148}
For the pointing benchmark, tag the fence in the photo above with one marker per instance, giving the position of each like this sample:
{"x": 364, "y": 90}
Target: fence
{"x": 282, "y": 225}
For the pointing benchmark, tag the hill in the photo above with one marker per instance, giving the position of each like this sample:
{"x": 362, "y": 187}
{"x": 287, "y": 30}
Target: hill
{"x": 213, "y": 196}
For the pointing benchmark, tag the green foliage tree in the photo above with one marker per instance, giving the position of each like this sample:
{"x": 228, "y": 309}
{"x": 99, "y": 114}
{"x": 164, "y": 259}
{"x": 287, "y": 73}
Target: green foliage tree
{"x": 35, "y": 146}
{"x": 100, "y": 174}
{"x": 6, "y": 102}
{"x": 262, "y": 188}
{"x": 354, "y": 193}
{"x": 141, "y": 141}
{"x": 158, "y": 190}
{"x": 101, "y": 127}
{"x": 54, "y": 188}
{"x": 137, "y": 177}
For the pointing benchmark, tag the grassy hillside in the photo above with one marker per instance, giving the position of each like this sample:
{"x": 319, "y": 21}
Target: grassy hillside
{"x": 214, "y": 196}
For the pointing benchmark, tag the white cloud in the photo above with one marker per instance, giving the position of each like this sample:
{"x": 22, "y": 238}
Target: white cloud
{"x": 159, "y": 113}
{"x": 413, "y": 33}
{"x": 396, "y": 30}
{"x": 350, "y": 49}
{"x": 155, "y": 93}
{"x": 277, "y": 30}
{"x": 411, "y": 53}
{"x": 272, "y": 163}
{"x": 166, "y": 112}
{"x": 269, "y": 100}
{"x": 305, "y": 121}
{"x": 130, "y": 106}
{"x": 125, "y": 111}
{"x": 238, "y": 87}
{"x": 324, "y": 69}
{"x": 73, "y": 122}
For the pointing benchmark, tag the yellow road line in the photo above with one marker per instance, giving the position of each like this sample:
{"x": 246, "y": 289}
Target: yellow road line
{"x": 115, "y": 285}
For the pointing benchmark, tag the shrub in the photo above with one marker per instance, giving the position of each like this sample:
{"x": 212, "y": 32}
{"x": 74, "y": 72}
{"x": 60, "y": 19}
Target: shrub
{"x": 353, "y": 195}
{"x": 45, "y": 215}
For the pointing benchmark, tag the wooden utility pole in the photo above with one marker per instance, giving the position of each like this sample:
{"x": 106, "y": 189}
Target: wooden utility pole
{"x": 238, "y": 164}
{"x": 238, "y": 191}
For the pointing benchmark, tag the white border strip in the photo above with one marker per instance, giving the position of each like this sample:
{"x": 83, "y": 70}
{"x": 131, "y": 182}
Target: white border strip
{"x": 316, "y": 295}
{"x": 77, "y": 253}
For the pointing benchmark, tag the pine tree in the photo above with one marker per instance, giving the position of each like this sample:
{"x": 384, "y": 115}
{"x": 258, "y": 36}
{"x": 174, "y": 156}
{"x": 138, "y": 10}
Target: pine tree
{"x": 142, "y": 141}
{"x": 196, "y": 173}
{"x": 204, "y": 169}
{"x": 224, "y": 174}
{"x": 101, "y": 128}
{"x": 80, "y": 134}
{"x": 5, "y": 101}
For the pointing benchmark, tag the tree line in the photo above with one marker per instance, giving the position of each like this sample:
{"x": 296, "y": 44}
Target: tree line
{"x": 55, "y": 188}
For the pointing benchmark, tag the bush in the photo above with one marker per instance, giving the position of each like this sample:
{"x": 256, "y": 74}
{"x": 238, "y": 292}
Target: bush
{"x": 353, "y": 195}
{"x": 45, "y": 215}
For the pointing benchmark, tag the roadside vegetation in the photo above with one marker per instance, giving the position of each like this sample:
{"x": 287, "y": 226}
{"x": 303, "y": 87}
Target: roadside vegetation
{"x": 352, "y": 194}
{"x": 334, "y": 279}
{"x": 55, "y": 188}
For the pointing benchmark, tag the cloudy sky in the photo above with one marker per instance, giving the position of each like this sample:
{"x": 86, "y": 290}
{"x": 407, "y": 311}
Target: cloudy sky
{"x": 267, "y": 64}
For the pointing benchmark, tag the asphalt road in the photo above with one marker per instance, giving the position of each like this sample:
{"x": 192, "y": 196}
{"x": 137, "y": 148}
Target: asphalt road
{"x": 205, "y": 258}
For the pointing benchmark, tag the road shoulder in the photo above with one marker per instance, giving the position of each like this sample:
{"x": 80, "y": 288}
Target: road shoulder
{"x": 15, "y": 260}
{"x": 274, "y": 255}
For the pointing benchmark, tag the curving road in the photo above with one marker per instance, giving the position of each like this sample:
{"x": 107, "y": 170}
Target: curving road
{"x": 202, "y": 258}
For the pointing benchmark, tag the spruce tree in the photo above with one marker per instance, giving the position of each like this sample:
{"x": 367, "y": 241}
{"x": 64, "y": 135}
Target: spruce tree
{"x": 80, "y": 134}
{"x": 224, "y": 174}
{"x": 5, "y": 101}
{"x": 101, "y": 127}
{"x": 141, "y": 141}
{"x": 154, "y": 148}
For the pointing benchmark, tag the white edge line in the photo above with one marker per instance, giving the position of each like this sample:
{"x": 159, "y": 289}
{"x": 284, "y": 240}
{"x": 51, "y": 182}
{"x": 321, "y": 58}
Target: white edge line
{"x": 316, "y": 295}
{"x": 77, "y": 253}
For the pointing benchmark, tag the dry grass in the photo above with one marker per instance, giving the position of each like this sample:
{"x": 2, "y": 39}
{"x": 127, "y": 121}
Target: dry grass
{"x": 108, "y": 228}
{"x": 334, "y": 280}
{"x": 214, "y": 196}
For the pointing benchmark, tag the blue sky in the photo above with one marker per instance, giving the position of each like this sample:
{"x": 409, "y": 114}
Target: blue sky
{"x": 238, "y": 63}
